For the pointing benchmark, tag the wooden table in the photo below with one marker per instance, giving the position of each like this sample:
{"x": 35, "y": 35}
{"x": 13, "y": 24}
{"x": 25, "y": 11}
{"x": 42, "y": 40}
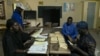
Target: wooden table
{"x": 53, "y": 48}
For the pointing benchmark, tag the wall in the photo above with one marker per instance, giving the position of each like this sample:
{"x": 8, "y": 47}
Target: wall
{"x": 8, "y": 11}
{"x": 77, "y": 14}
{"x": 98, "y": 18}
{"x": 33, "y": 5}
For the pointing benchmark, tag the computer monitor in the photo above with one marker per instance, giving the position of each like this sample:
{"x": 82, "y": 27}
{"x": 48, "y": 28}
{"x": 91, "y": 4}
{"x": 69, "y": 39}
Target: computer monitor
{"x": 29, "y": 14}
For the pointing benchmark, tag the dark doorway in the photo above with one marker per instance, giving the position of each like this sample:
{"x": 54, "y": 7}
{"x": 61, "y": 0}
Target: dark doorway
{"x": 50, "y": 14}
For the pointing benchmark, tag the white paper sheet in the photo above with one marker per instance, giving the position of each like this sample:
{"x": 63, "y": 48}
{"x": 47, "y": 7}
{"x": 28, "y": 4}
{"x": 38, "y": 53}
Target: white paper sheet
{"x": 38, "y": 47}
{"x": 36, "y": 34}
{"x": 45, "y": 34}
{"x": 41, "y": 36}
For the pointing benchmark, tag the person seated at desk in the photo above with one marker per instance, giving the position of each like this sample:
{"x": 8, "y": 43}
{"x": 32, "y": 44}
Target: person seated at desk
{"x": 86, "y": 44}
{"x": 14, "y": 40}
{"x": 69, "y": 30}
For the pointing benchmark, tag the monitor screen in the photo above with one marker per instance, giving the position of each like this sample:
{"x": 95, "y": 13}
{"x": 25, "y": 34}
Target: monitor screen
{"x": 29, "y": 14}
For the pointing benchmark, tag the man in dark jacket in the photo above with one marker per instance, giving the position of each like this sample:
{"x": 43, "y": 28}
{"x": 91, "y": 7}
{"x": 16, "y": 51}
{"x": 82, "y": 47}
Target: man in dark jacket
{"x": 86, "y": 44}
{"x": 14, "y": 40}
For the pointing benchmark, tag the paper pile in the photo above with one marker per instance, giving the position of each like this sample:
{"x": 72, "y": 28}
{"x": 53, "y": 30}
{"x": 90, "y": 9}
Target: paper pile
{"x": 38, "y": 47}
{"x": 36, "y": 34}
{"x": 53, "y": 38}
{"x": 60, "y": 37}
{"x": 63, "y": 46}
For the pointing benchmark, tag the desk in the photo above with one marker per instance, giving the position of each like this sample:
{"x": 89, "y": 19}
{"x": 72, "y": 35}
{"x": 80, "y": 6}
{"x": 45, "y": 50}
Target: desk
{"x": 39, "y": 47}
{"x": 53, "y": 48}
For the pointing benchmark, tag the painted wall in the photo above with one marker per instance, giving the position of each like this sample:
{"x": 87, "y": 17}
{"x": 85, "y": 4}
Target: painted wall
{"x": 77, "y": 14}
{"x": 98, "y": 18}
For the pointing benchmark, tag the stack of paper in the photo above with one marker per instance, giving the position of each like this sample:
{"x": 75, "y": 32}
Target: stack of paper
{"x": 40, "y": 43}
{"x": 51, "y": 34}
{"x": 45, "y": 34}
{"x": 54, "y": 39}
{"x": 36, "y": 34}
{"x": 61, "y": 39}
{"x": 41, "y": 36}
{"x": 63, "y": 46}
{"x": 38, "y": 47}
{"x": 57, "y": 32}
{"x": 40, "y": 39}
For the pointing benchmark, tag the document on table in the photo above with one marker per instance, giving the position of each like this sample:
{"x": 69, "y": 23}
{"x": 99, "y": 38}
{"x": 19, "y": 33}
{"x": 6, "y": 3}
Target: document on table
{"x": 41, "y": 36}
{"x": 36, "y": 34}
{"x": 40, "y": 39}
{"x": 45, "y": 34}
{"x": 40, "y": 43}
{"x": 38, "y": 47}
{"x": 63, "y": 45}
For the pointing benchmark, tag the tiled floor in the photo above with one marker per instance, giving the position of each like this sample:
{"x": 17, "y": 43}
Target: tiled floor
{"x": 95, "y": 34}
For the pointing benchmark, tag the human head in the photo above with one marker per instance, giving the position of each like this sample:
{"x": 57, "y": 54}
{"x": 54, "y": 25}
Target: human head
{"x": 20, "y": 7}
{"x": 12, "y": 25}
{"x": 69, "y": 20}
{"x": 82, "y": 27}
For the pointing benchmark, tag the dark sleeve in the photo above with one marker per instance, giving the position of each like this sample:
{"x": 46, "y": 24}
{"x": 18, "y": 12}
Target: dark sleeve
{"x": 91, "y": 48}
{"x": 25, "y": 37}
{"x": 10, "y": 46}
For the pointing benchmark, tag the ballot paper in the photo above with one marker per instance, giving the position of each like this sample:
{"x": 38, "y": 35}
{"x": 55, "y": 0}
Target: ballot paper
{"x": 61, "y": 39}
{"x": 57, "y": 32}
{"x": 54, "y": 40}
{"x": 38, "y": 47}
{"x": 40, "y": 43}
{"x": 40, "y": 39}
{"x": 51, "y": 34}
{"x": 41, "y": 36}
{"x": 63, "y": 45}
{"x": 36, "y": 34}
{"x": 45, "y": 34}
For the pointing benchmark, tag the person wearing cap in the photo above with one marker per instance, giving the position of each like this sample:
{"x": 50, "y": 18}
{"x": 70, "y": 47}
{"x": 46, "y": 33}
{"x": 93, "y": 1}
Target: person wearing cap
{"x": 69, "y": 31}
{"x": 17, "y": 14}
{"x": 86, "y": 44}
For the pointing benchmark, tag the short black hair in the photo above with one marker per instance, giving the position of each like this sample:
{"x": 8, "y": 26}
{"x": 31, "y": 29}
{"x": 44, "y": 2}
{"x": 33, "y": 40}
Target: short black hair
{"x": 10, "y": 23}
{"x": 69, "y": 18}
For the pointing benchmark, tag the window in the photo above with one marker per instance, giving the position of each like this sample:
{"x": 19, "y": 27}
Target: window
{"x": 2, "y": 12}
